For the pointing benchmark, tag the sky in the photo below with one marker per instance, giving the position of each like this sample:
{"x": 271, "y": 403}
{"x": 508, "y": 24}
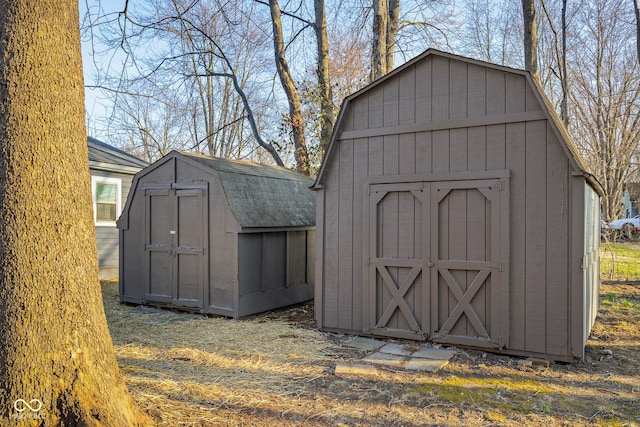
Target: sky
{"x": 92, "y": 96}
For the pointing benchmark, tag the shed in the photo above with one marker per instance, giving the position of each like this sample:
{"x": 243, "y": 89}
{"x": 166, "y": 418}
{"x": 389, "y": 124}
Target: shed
{"x": 217, "y": 236}
{"x": 112, "y": 172}
{"x": 452, "y": 206}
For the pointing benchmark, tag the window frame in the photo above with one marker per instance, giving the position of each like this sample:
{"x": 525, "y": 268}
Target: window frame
{"x": 106, "y": 180}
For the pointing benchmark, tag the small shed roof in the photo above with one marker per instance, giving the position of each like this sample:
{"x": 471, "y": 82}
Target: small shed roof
{"x": 101, "y": 154}
{"x": 262, "y": 195}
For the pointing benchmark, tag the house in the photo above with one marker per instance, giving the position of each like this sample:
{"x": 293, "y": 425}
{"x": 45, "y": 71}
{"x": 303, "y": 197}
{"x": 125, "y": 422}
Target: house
{"x": 217, "y": 236}
{"x": 112, "y": 171}
{"x": 631, "y": 199}
{"x": 452, "y": 206}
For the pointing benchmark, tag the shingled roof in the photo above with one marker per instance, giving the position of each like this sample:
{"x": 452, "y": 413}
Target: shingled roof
{"x": 102, "y": 154}
{"x": 263, "y": 196}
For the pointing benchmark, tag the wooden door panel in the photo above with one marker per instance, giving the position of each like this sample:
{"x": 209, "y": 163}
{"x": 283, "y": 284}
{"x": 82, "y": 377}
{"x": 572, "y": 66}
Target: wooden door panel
{"x": 468, "y": 218}
{"x": 158, "y": 245}
{"x": 396, "y": 261}
{"x": 189, "y": 277}
{"x": 176, "y": 241}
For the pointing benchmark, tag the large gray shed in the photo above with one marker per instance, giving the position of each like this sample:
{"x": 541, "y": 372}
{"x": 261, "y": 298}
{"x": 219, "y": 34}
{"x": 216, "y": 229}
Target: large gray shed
{"x": 217, "y": 236}
{"x": 452, "y": 206}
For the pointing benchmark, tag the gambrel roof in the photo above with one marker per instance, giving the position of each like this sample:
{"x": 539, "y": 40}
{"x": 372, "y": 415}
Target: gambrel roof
{"x": 546, "y": 111}
{"x": 262, "y": 195}
{"x": 259, "y": 196}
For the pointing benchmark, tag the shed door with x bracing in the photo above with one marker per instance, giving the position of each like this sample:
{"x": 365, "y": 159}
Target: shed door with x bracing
{"x": 438, "y": 260}
{"x": 469, "y": 262}
{"x": 397, "y": 259}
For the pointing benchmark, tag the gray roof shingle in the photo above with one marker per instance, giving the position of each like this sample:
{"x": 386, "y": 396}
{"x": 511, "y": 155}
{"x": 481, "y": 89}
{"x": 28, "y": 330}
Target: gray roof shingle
{"x": 104, "y": 153}
{"x": 263, "y": 196}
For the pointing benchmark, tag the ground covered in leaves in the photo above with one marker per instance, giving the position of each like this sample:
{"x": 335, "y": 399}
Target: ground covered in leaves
{"x": 277, "y": 369}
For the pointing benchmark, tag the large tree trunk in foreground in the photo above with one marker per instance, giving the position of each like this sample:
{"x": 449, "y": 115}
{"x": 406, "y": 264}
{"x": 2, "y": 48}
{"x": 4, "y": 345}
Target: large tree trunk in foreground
{"x": 56, "y": 354}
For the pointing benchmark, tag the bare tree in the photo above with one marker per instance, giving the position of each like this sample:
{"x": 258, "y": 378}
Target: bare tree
{"x": 530, "y": 37}
{"x": 491, "y": 31}
{"x": 559, "y": 49}
{"x": 56, "y": 354}
{"x": 208, "y": 48}
{"x": 324, "y": 82}
{"x": 393, "y": 26}
{"x": 295, "y": 110}
{"x": 637, "y": 13}
{"x": 379, "y": 39}
{"x": 606, "y": 98}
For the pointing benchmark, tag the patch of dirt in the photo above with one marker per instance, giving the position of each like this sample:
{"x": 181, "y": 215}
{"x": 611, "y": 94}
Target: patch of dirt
{"x": 277, "y": 369}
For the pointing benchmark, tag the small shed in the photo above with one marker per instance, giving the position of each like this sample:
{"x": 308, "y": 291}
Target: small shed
{"x": 112, "y": 172}
{"x": 452, "y": 206}
{"x": 217, "y": 236}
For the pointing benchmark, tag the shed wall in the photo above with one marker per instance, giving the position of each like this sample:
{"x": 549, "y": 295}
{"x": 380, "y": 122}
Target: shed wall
{"x": 442, "y": 116}
{"x": 213, "y": 284}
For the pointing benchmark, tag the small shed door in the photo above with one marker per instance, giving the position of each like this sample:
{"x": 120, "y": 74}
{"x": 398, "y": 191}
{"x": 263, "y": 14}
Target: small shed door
{"x": 176, "y": 241}
{"x": 158, "y": 245}
{"x": 189, "y": 253}
{"x": 398, "y": 251}
{"x": 469, "y": 265}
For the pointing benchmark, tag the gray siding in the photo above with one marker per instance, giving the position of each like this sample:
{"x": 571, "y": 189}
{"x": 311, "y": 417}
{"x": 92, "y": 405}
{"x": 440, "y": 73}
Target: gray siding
{"x": 440, "y": 115}
{"x": 107, "y": 237}
{"x": 245, "y": 271}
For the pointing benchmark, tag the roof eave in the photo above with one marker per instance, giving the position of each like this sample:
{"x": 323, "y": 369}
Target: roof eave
{"x": 110, "y": 167}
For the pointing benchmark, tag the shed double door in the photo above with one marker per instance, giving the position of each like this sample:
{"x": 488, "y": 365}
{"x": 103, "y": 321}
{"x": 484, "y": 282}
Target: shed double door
{"x": 176, "y": 244}
{"x": 438, "y": 260}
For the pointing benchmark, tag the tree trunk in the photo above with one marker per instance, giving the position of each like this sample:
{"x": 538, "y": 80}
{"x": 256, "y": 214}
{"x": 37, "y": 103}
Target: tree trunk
{"x": 392, "y": 32}
{"x": 56, "y": 355}
{"x": 636, "y": 9}
{"x": 530, "y": 37}
{"x": 379, "y": 47}
{"x": 564, "y": 107}
{"x": 324, "y": 83}
{"x": 295, "y": 110}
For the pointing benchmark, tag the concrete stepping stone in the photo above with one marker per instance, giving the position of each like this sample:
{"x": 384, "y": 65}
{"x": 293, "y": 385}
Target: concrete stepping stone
{"x": 396, "y": 349}
{"x": 362, "y": 343}
{"x": 387, "y": 359}
{"x": 434, "y": 353}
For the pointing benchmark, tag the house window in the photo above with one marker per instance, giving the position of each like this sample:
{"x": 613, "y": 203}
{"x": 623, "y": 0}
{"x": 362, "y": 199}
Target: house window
{"x": 107, "y": 200}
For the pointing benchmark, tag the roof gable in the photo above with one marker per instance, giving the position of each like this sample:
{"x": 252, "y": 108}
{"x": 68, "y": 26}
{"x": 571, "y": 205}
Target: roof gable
{"x": 546, "y": 111}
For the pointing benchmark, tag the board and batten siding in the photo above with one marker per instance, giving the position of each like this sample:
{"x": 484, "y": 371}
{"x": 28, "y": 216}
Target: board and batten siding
{"x": 439, "y": 116}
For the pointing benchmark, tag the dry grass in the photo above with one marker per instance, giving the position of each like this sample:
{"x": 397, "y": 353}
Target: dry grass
{"x": 189, "y": 370}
